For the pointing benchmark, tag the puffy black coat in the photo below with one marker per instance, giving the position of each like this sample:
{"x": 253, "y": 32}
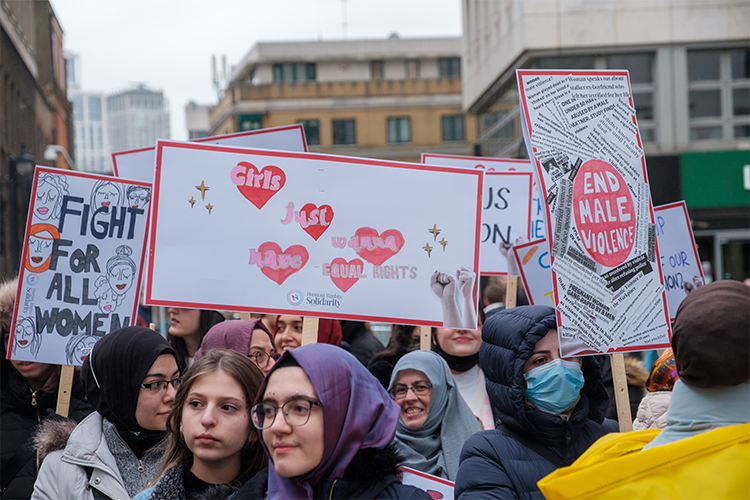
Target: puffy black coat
{"x": 493, "y": 464}
{"x": 372, "y": 474}
{"x": 19, "y": 418}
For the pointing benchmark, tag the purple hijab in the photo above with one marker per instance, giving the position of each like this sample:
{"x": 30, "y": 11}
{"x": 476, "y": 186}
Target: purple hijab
{"x": 356, "y": 410}
{"x": 233, "y": 334}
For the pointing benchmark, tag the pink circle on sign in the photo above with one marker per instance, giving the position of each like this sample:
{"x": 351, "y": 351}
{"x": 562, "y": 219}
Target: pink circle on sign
{"x": 604, "y": 213}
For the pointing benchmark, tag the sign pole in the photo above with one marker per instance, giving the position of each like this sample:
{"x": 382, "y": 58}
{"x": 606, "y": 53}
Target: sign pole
{"x": 63, "y": 392}
{"x": 622, "y": 398}
{"x": 309, "y": 330}
{"x": 510, "y": 292}
{"x": 425, "y": 338}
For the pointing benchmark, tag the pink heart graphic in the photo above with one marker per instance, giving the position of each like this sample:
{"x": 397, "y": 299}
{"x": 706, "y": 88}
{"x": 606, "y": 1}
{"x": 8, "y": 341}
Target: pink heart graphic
{"x": 347, "y": 272}
{"x": 259, "y": 190}
{"x": 316, "y": 230}
{"x": 283, "y": 261}
{"x": 378, "y": 252}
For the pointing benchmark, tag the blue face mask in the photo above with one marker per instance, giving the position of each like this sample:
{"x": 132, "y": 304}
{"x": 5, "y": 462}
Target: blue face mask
{"x": 554, "y": 386}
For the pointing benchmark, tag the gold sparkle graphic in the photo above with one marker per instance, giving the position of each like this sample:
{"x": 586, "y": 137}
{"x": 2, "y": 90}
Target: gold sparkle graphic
{"x": 209, "y": 207}
{"x": 202, "y": 188}
{"x": 192, "y": 201}
{"x": 435, "y": 231}
{"x": 427, "y": 248}
{"x": 443, "y": 242}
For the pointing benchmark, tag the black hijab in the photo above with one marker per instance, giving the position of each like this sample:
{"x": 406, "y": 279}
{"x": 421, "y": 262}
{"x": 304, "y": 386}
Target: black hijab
{"x": 112, "y": 374}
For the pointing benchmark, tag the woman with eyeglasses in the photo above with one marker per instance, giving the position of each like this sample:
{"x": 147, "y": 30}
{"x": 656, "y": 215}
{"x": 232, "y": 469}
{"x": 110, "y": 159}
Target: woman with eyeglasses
{"x": 250, "y": 338}
{"x": 130, "y": 378}
{"x": 326, "y": 425}
{"x": 435, "y": 421}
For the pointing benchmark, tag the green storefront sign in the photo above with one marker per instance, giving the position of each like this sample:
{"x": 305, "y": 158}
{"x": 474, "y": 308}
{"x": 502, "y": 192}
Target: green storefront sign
{"x": 715, "y": 179}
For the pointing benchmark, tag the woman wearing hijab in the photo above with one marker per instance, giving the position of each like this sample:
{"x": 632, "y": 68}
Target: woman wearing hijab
{"x": 130, "y": 379}
{"x": 187, "y": 327}
{"x": 288, "y": 332}
{"x": 332, "y": 437}
{"x": 435, "y": 420}
{"x": 250, "y": 338}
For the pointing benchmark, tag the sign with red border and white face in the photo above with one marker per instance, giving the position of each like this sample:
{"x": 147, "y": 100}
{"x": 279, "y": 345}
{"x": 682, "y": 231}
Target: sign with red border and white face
{"x": 437, "y": 487}
{"x": 678, "y": 254}
{"x": 533, "y": 262}
{"x": 314, "y": 235}
{"x": 581, "y": 132}
{"x": 82, "y": 261}
{"x": 139, "y": 164}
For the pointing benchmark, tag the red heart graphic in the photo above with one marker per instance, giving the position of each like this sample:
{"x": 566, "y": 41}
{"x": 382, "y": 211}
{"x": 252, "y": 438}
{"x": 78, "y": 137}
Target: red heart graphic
{"x": 282, "y": 260}
{"x": 374, "y": 253}
{"x": 315, "y": 230}
{"x": 271, "y": 183}
{"x": 347, "y": 272}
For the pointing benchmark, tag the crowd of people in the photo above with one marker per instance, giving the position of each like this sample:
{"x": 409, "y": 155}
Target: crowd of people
{"x": 226, "y": 408}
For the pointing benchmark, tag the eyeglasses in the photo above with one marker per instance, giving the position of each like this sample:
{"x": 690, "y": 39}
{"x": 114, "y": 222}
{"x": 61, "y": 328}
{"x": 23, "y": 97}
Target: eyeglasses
{"x": 296, "y": 413}
{"x": 261, "y": 358}
{"x": 161, "y": 385}
{"x": 400, "y": 391}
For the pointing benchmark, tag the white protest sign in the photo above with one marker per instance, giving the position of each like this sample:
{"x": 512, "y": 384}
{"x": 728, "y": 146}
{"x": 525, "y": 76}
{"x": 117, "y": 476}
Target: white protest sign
{"x": 437, "y": 487}
{"x": 535, "y": 266}
{"x": 538, "y": 226}
{"x": 83, "y": 255}
{"x": 581, "y": 131}
{"x": 138, "y": 164}
{"x": 678, "y": 254}
{"x": 318, "y": 235}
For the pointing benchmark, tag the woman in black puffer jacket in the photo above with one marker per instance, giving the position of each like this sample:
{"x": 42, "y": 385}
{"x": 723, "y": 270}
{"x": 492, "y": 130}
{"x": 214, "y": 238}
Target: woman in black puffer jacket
{"x": 531, "y": 440}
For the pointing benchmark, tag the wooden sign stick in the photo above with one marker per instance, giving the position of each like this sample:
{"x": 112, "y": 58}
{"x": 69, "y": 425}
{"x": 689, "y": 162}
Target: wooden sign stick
{"x": 63, "y": 392}
{"x": 309, "y": 330}
{"x": 510, "y": 292}
{"x": 245, "y": 316}
{"x": 622, "y": 398}
{"x": 425, "y": 338}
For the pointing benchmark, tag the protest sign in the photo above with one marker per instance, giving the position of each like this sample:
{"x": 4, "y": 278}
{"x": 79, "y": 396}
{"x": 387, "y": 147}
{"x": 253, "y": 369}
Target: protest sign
{"x": 581, "y": 132}
{"x": 138, "y": 164}
{"x": 83, "y": 254}
{"x": 437, "y": 487}
{"x": 314, "y": 235}
{"x": 535, "y": 266}
{"x": 537, "y": 226}
{"x": 678, "y": 254}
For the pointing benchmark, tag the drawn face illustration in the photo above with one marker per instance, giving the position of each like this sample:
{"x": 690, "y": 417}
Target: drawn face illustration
{"x": 120, "y": 278}
{"x": 40, "y": 250}
{"x": 47, "y": 199}
{"x": 24, "y": 334}
{"x": 138, "y": 198}
{"x": 107, "y": 195}
{"x": 107, "y": 302}
{"x": 83, "y": 348}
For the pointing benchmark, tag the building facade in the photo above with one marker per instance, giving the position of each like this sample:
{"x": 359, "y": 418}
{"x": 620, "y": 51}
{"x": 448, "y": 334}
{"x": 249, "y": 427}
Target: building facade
{"x": 136, "y": 118}
{"x": 392, "y": 99}
{"x": 196, "y": 120}
{"x": 689, "y": 65}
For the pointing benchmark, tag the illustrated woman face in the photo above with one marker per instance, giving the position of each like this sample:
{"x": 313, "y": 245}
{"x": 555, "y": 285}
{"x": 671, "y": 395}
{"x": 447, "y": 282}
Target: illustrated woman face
{"x": 294, "y": 450}
{"x": 415, "y": 403}
{"x": 24, "y": 334}
{"x": 106, "y": 195}
{"x": 107, "y": 301}
{"x": 84, "y": 347}
{"x": 216, "y": 422}
{"x": 40, "y": 250}
{"x": 138, "y": 198}
{"x": 288, "y": 333}
{"x": 47, "y": 199}
{"x": 154, "y": 406}
{"x": 120, "y": 278}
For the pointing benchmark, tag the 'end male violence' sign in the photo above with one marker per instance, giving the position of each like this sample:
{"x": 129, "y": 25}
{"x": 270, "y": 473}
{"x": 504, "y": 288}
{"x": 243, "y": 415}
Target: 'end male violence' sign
{"x": 581, "y": 132}
{"x": 319, "y": 235}
{"x": 85, "y": 241}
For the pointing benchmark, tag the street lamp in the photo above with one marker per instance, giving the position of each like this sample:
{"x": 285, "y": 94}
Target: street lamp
{"x": 20, "y": 168}
{"x": 50, "y": 154}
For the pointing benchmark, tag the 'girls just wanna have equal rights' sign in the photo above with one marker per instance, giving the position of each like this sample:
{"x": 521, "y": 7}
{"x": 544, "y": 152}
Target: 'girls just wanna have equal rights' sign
{"x": 82, "y": 259}
{"x": 317, "y": 235}
{"x": 581, "y": 133}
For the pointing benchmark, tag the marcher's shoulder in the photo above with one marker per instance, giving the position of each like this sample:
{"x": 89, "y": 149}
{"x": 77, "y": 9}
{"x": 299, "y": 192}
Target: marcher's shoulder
{"x": 483, "y": 441}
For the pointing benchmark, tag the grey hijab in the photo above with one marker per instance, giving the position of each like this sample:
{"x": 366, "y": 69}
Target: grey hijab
{"x": 435, "y": 447}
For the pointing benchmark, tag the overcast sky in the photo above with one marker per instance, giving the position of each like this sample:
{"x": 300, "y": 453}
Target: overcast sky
{"x": 167, "y": 44}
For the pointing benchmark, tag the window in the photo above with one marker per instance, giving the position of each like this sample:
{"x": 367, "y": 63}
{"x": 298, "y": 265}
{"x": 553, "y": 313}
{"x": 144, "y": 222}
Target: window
{"x": 294, "y": 72}
{"x": 641, "y": 70}
{"x": 95, "y": 109}
{"x": 377, "y": 70}
{"x": 399, "y": 130}
{"x": 78, "y": 108}
{"x": 412, "y": 68}
{"x": 197, "y": 134}
{"x": 453, "y": 128}
{"x": 449, "y": 67}
{"x": 249, "y": 122}
{"x": 719, "y": 94}
{"x": 312, "y": 131}
{"x": 344, "y": 132}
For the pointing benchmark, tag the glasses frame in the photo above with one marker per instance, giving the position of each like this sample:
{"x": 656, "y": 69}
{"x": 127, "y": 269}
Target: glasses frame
{"x": 163, "y": 383}
{"x": 276, "y": 412}
{"x": 275, "y": 356}
{"x": 413, "y": 389}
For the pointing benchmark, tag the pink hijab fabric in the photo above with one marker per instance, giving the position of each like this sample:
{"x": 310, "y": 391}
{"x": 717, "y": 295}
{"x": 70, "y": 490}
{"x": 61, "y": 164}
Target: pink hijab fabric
{"x": 233, "y": 334}
{"x": 357, "y": 411}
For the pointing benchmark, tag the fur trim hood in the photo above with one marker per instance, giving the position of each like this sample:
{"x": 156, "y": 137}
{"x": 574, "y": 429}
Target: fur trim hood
{"x": 7, "y": 300}
{"x": 52, "y": 435}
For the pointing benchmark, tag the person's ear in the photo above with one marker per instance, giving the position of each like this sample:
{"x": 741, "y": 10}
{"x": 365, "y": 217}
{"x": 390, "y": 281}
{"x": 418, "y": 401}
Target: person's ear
{"x": 485, "y": 301}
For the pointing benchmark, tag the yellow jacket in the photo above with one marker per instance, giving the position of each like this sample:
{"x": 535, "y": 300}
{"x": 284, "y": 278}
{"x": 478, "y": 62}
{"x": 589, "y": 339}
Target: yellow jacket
{"x": 712, "y": 465}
